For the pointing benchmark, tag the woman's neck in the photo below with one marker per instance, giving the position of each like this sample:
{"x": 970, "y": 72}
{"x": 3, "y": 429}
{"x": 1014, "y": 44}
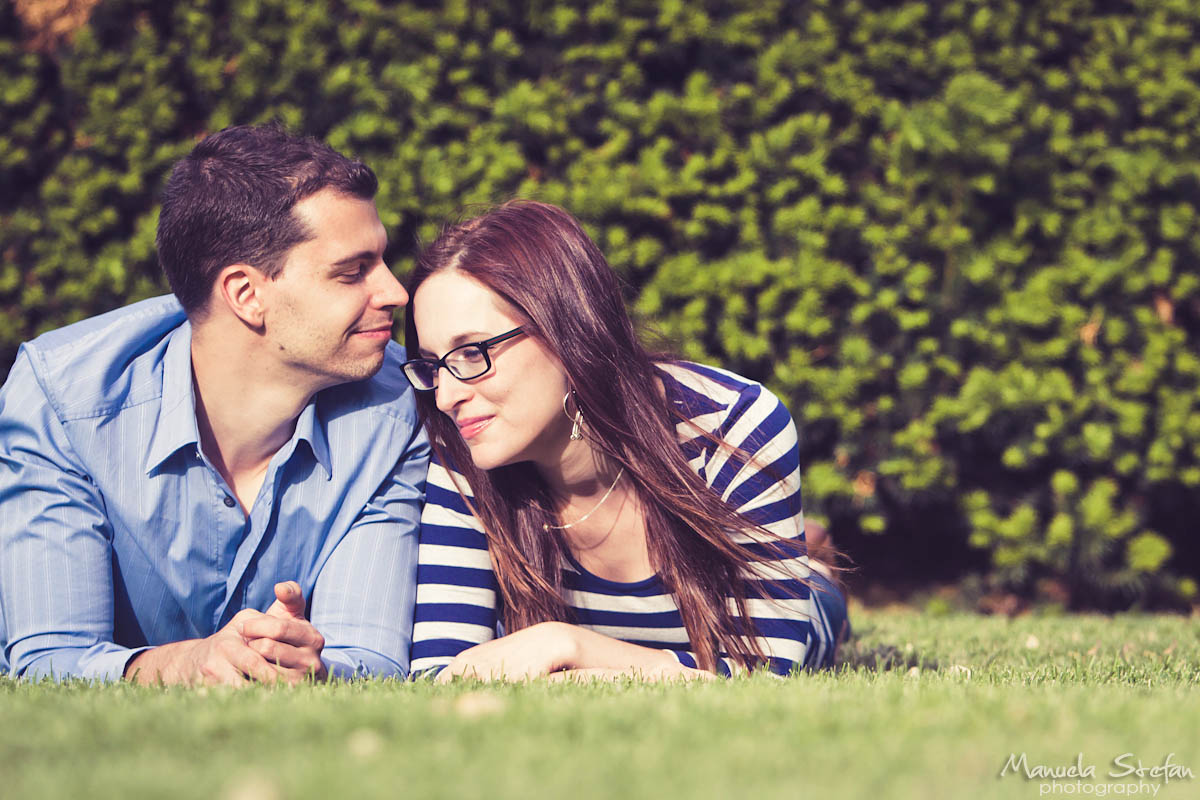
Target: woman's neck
{"x": 598, "y": 514}
{"x": 607, "y": 534}
{"x": 579, "y": 472}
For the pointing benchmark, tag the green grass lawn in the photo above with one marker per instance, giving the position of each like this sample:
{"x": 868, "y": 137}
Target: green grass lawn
{"x": 925, "y": 707}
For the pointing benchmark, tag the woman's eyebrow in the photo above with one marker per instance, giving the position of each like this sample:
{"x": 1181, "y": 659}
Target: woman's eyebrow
{"x": 468, "y": 336}
{"x": 462, "y": 338}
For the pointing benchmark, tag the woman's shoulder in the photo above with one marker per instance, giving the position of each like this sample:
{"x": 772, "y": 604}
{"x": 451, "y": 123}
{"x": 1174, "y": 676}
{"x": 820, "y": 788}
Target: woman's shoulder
{"x": 705, "y": 376}
{"x": 700, "y": 391}
{"x": 445, "y": 484}
{"x": 716, "y": 403}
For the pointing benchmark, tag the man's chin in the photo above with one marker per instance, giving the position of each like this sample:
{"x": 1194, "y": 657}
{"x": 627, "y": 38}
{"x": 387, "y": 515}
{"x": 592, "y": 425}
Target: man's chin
{"x": 352, "y": 372}
{"x": 369, "y": 369}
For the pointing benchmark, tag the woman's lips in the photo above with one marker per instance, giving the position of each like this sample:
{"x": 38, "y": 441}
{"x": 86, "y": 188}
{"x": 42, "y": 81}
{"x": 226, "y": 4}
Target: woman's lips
{"x": 470, "y": 428}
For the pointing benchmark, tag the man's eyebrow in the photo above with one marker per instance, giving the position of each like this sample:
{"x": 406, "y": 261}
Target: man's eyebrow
{"x": 363, "y": 255}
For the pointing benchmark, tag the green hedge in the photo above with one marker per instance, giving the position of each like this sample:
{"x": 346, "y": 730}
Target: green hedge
{"x": 957, "y": 237}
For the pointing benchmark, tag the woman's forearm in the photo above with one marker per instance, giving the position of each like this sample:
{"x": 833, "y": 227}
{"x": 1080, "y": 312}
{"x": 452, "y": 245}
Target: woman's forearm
{"x": 551, "y": 647}
{"x": 592, "y": 650}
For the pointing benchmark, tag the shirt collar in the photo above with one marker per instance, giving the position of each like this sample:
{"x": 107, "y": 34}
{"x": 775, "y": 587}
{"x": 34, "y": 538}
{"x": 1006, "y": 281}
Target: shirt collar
{"x": 176, "y": 426}
{"x": 309, "y": 429}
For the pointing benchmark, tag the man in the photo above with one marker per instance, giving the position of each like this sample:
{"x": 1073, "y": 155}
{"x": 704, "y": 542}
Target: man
{"x": 222, "y": 486}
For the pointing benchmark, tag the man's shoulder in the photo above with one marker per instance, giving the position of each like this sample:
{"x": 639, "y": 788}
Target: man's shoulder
{"x": 105, "y": 362}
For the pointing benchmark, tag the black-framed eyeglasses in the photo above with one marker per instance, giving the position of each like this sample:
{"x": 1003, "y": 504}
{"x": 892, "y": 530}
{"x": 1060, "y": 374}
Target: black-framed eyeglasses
{"x": 465, "y": 362}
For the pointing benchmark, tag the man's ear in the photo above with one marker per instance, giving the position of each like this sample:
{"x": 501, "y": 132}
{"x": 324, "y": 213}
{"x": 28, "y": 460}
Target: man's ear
{"x": 239, "y": 287}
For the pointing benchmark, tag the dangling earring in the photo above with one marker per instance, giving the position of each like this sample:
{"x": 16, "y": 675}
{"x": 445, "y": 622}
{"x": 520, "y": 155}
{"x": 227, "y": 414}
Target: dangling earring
{"x": 577, "y": 427}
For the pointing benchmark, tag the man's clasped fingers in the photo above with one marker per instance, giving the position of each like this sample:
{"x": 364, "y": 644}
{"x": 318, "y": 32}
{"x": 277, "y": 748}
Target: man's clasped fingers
{"x": 297, "y": 662}
{"x": 256, "y": 647}
{"x": 295, "y": 632}
{"x": 232, "y": 662}
{"x": 292, "y": 645}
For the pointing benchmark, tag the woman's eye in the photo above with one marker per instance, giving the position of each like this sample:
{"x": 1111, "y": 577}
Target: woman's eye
{"x": 467, "y": 357}
{"x": 472, "y": 355}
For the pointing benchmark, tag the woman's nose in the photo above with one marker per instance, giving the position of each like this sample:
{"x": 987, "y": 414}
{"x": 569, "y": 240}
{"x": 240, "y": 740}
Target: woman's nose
{"x": 450, "y": 391}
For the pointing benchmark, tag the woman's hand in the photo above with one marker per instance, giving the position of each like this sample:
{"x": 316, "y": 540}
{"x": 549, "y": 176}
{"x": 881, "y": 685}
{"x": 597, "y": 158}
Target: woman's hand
{"x": 565, "y": 652}
{"x": 528, "y": 653}
{"x": 678, "y": 672}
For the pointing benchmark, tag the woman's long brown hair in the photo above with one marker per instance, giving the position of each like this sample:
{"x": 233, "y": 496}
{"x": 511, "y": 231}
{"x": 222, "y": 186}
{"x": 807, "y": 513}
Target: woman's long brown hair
{"x": 538, "y": 258}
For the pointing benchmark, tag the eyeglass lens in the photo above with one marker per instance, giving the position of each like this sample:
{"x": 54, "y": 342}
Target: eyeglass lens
{"x": 464, "y": 363}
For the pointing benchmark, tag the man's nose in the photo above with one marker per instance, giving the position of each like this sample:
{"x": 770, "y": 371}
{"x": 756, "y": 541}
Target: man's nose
{"x": 388, "y": 291}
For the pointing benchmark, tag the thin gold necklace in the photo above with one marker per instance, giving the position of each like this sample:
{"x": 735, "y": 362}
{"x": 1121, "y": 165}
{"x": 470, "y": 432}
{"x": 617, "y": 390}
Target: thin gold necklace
{"x": 546, "y": 526}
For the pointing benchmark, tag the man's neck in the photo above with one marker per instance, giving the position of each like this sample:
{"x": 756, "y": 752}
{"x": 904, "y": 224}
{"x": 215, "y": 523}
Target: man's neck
{"x": 244, "y": 413}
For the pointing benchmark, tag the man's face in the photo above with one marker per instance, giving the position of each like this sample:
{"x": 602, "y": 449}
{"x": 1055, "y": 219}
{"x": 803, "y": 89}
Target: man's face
{"x": 329, "y": 312}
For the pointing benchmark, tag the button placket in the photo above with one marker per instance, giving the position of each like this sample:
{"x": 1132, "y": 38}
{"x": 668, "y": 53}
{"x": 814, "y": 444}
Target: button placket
{"x": 229, "y": 529}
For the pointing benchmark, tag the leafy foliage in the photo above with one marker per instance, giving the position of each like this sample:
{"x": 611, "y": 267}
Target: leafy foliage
{"x": 958, "y": 238}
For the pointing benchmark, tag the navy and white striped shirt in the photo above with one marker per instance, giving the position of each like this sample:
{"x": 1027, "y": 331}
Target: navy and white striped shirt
{"x": 457, "y": 590}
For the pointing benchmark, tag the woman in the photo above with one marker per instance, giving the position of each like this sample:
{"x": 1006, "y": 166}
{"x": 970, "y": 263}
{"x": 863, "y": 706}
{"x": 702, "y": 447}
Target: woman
{"x": 613, "y": 513}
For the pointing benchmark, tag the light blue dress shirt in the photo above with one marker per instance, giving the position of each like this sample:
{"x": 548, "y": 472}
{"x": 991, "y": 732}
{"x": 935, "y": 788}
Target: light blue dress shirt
{"x": 116, "y": 532}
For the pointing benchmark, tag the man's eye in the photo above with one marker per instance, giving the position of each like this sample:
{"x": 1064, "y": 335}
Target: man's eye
{"x": 356, "y": 274}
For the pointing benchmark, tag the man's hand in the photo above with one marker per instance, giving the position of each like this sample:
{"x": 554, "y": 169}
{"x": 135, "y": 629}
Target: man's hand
{"x": 285, "y": 638}
{"x": 280, "y": 645}
{"x": 289, "y": 601}
{"x": 221, "y": 659}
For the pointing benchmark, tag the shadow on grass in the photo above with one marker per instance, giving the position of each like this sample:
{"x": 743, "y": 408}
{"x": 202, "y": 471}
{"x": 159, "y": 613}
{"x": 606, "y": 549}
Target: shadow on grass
{"x": 881, "y": 658}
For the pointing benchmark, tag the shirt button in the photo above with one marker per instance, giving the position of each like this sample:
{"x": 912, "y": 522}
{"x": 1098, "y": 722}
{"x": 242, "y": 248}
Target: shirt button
{"x": 229, "y": 502}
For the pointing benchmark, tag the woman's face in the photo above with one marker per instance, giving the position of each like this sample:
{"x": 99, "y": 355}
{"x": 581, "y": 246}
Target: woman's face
{"x": 514, "y": 411}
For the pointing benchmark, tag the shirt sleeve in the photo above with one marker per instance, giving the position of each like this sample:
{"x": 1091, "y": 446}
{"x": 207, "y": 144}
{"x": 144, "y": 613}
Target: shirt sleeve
{"x": 725, "y": 667}
{"x": 763, "y": 483}
{"x": 56, "y": 589}
{"x": 456, "y": 586}
{"x": 363, "y": 598}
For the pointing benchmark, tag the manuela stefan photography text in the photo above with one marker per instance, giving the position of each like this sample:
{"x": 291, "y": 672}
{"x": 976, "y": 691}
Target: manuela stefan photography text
{"x": 1070, "y": 778}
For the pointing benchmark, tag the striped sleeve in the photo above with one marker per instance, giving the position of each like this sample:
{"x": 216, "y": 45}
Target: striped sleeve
{"x": 725, "y": 667}
{"x": 456, "y": 587}
{"x": 763, "y": 483}
{"x": 793, "y": 632}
